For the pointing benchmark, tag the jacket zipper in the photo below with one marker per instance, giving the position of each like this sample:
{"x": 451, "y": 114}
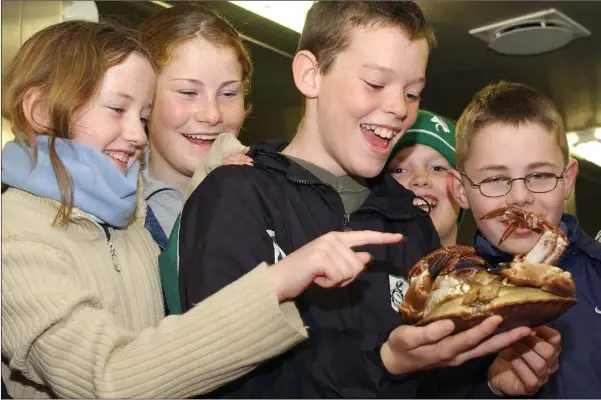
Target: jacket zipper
{"x": 346, "y": 218}
{"x": 347, "y": 223}
{"x": 111, "y": 246}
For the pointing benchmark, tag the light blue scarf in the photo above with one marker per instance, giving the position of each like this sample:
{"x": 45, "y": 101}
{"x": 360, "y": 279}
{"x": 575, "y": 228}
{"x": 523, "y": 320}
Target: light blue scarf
{"x": 99, "y": 188}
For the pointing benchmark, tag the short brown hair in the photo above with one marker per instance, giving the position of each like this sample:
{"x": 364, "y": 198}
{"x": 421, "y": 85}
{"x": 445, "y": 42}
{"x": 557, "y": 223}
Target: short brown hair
{"x": 66, "y": 63}
{"x": 329, "y": 24}
{"x": 507, "y": 103}
{"x": 170, "y": 26}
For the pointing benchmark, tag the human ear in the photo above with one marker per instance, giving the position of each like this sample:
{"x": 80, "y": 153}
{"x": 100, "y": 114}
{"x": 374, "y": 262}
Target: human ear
{"x": 305, "y": 70}
{"x": 35, "y": 110}
{"x": 569, "y": 177}
{"x": 455, "y": 185}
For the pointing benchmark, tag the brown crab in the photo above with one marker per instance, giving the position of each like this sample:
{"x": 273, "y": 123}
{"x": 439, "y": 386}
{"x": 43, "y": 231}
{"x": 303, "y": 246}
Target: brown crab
{"x": 423, "y": 275}
{"x": 551, "y": 245}
{"x": 455, "y": 283}
{"x": 536, "y": 268}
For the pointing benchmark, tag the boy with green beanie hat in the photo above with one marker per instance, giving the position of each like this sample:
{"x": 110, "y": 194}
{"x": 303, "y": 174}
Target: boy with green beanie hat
{"x": 421, "y": 161}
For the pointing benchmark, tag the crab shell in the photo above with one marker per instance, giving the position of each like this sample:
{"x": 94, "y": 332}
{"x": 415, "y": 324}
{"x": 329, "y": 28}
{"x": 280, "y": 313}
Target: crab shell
{"x": 479, "y": 295}
{"x": 519, "y": 306}
{"x": 530, "y": 291}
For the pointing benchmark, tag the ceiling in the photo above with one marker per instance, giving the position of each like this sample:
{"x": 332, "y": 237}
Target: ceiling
{"x": 571, "y": 76}
{"x": 458, "y": 67}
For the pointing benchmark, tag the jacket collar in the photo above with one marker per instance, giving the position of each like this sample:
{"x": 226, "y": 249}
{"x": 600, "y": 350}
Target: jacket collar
{"x": 578, "y": 241}
{"x": 387, "y": 196}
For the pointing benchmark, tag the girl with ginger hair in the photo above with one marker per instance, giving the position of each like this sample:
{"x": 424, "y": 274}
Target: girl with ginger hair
{"x": 82, "y": 308}
{"x": 204, "y": 72}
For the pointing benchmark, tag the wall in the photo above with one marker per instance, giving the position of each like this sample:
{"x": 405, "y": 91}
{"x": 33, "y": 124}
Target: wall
{"x": 21, "y": 19}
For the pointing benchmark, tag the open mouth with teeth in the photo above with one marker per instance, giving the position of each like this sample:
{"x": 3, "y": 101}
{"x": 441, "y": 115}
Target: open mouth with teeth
{"x": 379, "y": 137}
{"x": 426, "y": 203}
{"x": 200, "y": 138}
{"x": 120, "y": 158}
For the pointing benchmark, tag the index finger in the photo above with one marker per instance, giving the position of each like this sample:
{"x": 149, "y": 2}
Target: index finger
{"x": 454, "y": 345}
{"x": 496, "y": 343}
{"x": 361, "y": 238}
{"x": 409, "y": 337}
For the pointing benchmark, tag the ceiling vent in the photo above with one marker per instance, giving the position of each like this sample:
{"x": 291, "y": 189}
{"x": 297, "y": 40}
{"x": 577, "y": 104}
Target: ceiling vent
{"x": 534, "y": 33}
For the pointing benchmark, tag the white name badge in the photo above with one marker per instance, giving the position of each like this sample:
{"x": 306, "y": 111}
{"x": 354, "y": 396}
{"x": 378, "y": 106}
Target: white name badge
{"x": 398, "y": 288}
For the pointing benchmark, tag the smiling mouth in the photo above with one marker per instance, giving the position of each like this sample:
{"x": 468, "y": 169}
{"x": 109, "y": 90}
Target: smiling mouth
{"x": 426, "y": 203}
{"x": 200, "y": 137}
{"x": 384, "y": 133}
{"x": 379, "y": 138}
{"x": 121, "y": 157}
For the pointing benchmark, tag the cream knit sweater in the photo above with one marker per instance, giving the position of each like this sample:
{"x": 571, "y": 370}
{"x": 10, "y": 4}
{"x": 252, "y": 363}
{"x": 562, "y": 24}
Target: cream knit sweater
{"x": 74, "y": 324}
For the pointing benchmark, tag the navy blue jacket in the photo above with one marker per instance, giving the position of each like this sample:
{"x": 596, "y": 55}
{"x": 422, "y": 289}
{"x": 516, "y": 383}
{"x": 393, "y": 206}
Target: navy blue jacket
{"x": 223, "y": 235}
{"x": 579, "y": 374}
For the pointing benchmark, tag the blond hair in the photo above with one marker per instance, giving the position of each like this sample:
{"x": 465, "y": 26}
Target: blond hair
{"x": 65, "y": 63}
{"x": 507, "y": 103}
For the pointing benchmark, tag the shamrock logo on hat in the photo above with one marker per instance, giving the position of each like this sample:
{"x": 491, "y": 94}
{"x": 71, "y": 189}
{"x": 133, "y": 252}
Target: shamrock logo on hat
{"x": 439, "y": 122}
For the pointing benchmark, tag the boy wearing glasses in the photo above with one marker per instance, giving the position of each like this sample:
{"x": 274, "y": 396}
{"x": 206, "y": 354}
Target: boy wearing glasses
{"x": 512, "y": 151}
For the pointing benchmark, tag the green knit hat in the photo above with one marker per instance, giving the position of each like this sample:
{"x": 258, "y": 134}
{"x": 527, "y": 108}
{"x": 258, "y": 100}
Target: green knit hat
{"x": 434, "y": 131}
{"x": 430, "y": 130}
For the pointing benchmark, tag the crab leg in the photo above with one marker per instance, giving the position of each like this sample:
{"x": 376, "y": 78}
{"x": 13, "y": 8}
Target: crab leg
{"x": 446, "y": 258}
{"x": 551, "y": 244}
{"x": 547, "y": 250}
{"x": 471, "y": 260}
{"x": 547, "y": 277}
{"x": 512, "y": 227}
{"x": 494, "y": 213}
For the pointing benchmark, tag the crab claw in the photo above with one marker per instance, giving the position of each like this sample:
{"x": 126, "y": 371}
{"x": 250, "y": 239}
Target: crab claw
{"x": 560, "y": 284}
{"x": 547, "y": 277}
{"x": 495, "y": 213}
{"x": 497, "y": 269}
{"x": 552, "y": 243}
{"x": 515, "y": 216}
{"x": 447, "y": 258}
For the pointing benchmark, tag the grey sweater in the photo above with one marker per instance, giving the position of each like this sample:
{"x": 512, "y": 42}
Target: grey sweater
{"x": 353, "y": 191}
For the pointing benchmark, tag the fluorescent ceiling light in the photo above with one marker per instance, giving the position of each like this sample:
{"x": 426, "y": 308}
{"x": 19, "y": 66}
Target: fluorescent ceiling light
{"x": 290, "y": 14}
{"x": 590, "y": 151}
{"x": 80, "y": 10}
{"x": 586, "y": 144}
